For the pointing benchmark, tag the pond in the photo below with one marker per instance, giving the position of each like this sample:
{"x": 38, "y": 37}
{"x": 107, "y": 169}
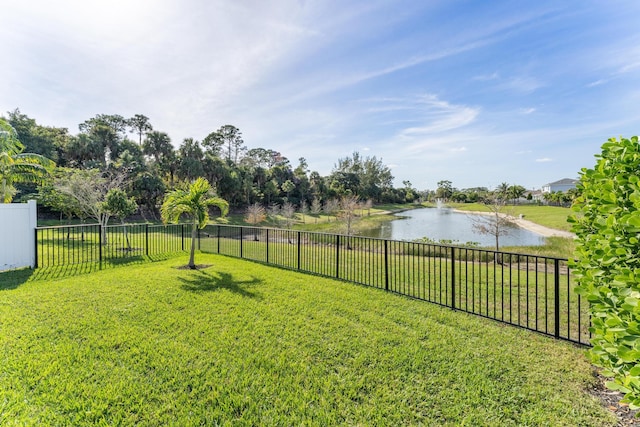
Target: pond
{"x": 447, "y": 224}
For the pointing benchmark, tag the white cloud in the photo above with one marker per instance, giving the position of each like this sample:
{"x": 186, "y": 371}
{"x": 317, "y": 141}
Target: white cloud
{"x": 440, "y": 116}
{"x": 597, "y": 83}
{"x": 522, "y": 84}
{"x": 184, "y": 65}
{"x": 439, "y": 145}
{"x": 324, "y": 79}
{"x": 629, "y": 67}
{"x": 487, "y": 77}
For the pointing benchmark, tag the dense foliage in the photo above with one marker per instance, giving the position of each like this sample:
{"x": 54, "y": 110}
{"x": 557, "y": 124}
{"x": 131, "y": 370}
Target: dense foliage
{"x": 113, "y": 144}
{"x": 607, "y": 225}
{"x": 17, "y": 166}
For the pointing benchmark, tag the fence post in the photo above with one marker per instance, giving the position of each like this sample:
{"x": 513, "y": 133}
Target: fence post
{"x": 218, "y": 238}
{"x": 267, "y": 261}
{"x": 298, "y": 250}
{"x": 386, "y": 265}
{"x": 337, "y": 256}
{"x": 453, "y": 278}
{"x": 35, "y": 245}
{"x": 182, "y": 235}
{"x": 100, "y": 244}
{"x": 556, "y": 278}
{"x": 146, "y": 239}
{"x": 241, "y": 239}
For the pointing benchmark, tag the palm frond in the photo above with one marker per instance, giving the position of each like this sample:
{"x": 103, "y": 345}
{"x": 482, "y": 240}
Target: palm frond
{"x": 193, "y": 202}
{"x": 219, "y": 203}
{"x": 9, "y": 142}
{"x": 35, "y": 159}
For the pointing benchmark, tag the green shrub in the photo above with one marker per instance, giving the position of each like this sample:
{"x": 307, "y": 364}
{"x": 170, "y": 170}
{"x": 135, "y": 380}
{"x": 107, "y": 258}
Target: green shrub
{"x": 607, "y": 265}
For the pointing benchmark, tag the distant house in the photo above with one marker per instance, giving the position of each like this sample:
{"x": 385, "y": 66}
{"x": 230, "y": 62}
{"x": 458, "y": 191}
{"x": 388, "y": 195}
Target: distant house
{"x": 563, "y": 185}
{"x": 536, "y": 195}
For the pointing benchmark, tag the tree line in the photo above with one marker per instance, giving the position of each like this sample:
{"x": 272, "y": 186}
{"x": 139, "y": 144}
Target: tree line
{"x": 506, "y": 193}
{"x": 130, "y": 155}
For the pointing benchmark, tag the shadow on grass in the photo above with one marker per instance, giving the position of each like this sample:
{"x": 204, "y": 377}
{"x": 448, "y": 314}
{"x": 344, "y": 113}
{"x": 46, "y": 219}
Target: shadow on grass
{"x": 50, "y": 273}
{"x": 12, "y": 279}
{"x": 202, "y": 281}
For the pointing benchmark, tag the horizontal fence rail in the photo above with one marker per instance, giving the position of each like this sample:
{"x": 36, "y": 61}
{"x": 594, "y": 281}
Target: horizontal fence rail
{"x": 528, "y": 291}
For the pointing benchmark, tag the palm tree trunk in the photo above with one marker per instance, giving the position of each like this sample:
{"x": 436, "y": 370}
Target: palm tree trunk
{"x": 194, "y": 236}
{"x": 104, "y": 221}
{"x": 126, "y": 235}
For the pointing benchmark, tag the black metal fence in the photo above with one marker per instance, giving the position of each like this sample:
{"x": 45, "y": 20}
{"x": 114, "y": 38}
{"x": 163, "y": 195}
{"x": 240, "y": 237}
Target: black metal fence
{"x": 528, "y": 291}
{"x": 80, "y": 244}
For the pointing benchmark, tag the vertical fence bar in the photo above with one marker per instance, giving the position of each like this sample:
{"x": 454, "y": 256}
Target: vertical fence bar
{"x": 241, "y": 242}
{"x": 267, "y": 255}
{"x": 556, "y": 279}
{"x": 386, "y": 265}
{"x": 298, "y": 250}
{"x": 338, "y": 256}
{"x": 100, "y": 231}
{"x": 35, "y": 245}
{"x": 218, "y": 233}
{"x": 146, "y": 239}
{"x": 453, "y": 278}
{"x": 569, "y": 310}
{"x": 546, "y": 296}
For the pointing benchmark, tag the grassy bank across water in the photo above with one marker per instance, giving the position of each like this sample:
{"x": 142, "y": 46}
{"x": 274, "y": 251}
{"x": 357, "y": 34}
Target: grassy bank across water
{"x": 548, "y": 216}
{"x": 239, "y": 343}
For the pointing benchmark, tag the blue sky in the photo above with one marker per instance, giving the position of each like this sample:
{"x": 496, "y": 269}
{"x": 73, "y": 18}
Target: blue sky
{"x": 475, "y": 92}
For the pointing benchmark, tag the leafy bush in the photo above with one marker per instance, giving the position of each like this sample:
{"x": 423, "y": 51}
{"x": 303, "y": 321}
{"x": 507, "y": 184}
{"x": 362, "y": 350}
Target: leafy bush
{"x": 607, "y": 265}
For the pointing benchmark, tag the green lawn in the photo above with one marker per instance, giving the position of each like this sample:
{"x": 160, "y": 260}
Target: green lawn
{"x": 549, "y": 216}
{"x": 559, "y": 247}
{"x": 517, "y": 289}
{"x": 240, "y": 343}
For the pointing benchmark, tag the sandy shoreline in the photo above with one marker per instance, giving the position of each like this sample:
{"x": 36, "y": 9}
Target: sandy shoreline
{"x": 529, "y": 225}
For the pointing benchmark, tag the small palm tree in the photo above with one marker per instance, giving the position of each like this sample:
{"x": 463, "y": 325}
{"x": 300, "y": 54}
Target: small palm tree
{"x": 194, "y": 203}
{"x": 16, "y": 166}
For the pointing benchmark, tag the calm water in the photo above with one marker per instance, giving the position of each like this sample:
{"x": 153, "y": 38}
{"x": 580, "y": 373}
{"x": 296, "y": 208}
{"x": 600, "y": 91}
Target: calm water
{"x": 444, "y": 223}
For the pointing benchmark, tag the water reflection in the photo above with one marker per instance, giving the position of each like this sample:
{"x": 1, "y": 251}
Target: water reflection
{"x": 446, "y": 224}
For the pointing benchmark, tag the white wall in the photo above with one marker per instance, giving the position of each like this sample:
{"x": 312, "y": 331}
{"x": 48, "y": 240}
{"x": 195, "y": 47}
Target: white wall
{"x": 17, "y": 224}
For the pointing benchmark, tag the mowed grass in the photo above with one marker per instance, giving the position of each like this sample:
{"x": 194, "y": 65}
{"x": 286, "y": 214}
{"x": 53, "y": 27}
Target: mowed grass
{"x": 240, "y": 343}
{"x": 518, "y": 290}
{"x": 560, "y": 247}
{"x": 549, "y": 216}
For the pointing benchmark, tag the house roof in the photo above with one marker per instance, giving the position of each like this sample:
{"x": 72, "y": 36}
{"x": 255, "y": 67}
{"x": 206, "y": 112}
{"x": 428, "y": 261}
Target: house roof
{"x": 564, "y": 181}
